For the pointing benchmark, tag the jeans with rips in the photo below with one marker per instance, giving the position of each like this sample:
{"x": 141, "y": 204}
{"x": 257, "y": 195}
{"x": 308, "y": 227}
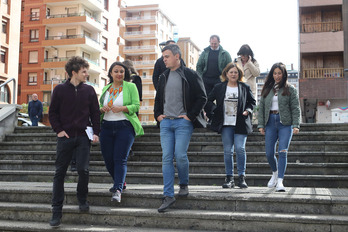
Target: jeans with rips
{"x": 276, "y": 131}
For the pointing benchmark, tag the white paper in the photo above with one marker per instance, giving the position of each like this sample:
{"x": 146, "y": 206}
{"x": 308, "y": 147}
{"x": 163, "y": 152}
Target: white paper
{"x": 89, "y": 132}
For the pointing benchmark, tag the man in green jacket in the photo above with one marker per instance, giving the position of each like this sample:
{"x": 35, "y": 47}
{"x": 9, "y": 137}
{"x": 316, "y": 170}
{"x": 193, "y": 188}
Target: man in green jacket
{"x": 211, "y": 63}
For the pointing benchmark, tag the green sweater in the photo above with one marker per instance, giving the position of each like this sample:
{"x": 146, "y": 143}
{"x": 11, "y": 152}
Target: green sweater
{"x": 131, "y": 101}
{"x": 223, "y": 59}
{"x": 289, "y": 108}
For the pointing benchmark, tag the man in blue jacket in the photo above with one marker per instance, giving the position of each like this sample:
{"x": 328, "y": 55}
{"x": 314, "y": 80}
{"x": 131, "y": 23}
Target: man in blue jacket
{"x": 74, "y": 106}
{"x": 35, "y": 110}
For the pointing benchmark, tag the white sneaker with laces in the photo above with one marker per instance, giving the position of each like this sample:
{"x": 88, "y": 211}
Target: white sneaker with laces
{"x": 116, "y": 196}
{"x": 273, "y": 181}
{"x": 280, "y": 187}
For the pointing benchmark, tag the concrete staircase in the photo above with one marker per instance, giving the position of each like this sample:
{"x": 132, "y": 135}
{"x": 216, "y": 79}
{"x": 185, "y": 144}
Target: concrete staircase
{"x": 316, "y": 181}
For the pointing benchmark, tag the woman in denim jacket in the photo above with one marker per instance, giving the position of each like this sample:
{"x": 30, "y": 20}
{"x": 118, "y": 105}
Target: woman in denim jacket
{"x": 278, "y": 119}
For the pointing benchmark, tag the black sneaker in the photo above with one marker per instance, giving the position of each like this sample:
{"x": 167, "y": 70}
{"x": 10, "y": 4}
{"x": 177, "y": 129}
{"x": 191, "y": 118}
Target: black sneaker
{"x": 229, "y": 182}
{"x": 56, "y": 219}
{"x": 84, "y": 207}
{"x": 241, "y": 182}
{"x": 167, "y": 201}
{"x": 183, "y": 191}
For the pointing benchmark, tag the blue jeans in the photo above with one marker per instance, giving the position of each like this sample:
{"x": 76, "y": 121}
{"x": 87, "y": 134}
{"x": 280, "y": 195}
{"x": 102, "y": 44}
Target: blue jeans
{"x": 275, "y": 131}
{"x": 66, "y": 147}
{"x": 116, "y": 139}
{"x": 34, "y": 121}
{"x": 175, "y": 139}
{"x": 230, "y": 140}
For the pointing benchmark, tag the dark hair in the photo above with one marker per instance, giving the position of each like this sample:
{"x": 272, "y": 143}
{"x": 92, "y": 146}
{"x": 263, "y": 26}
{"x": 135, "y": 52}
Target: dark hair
{"x": 126, "y": 71}
{"x": 75, "y": 63}
{"x": 174, "y": 48}
{"x": 228, "y": 67}
{"x": 215, "y": 36}
{"x": 269, "y": 83}
{"x": 246, "y": 50}
{"x": 130, "y": 66}
{"x": 170, "y": 41}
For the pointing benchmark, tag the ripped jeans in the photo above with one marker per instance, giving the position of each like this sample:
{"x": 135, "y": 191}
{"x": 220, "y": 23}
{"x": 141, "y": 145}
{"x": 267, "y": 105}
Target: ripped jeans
{"x": 275, "y": 131}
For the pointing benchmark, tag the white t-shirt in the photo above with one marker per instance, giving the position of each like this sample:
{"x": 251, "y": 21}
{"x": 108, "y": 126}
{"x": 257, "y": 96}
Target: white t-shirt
{"x": 231, "y": 105}
{"x": 111, "y": 116}
{"x": 274, "y": 105}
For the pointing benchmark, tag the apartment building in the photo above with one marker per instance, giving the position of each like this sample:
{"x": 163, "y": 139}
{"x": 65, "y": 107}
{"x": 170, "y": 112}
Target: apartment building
{"x": 190, "y": 52}
{"x": 323, "y": 26}
{"x": 9, "y": 50}
{"x": 52, "y": 31}
{"x": 146, "y": 26}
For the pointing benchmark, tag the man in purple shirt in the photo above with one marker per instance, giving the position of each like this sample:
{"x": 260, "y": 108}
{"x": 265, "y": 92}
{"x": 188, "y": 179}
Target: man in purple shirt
{"x": 74, "y": 106}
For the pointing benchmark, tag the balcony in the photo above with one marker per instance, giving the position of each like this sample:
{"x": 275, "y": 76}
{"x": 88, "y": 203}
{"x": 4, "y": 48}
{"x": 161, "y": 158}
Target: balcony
{"x": 121, "y": 23}
{"x": 141, "y": 20}
{"x": 94, "y": 66}
{"x": 321, "y": 42}
{"x": 146, "y": 80}
{"x": 140, "y": 50}
{"x": 311, "y": 3}
{"x": 149, "y": 94}
{"x": 321, "y": 27}
{"x": 146, "y": 110}
{"x": 144, "y": 64}
{"x": 322, "y": 73}
{"x": 120, "y": 41}
{"x": 82, "y": 19}
{"x": 72, "y": 41}
{"x": 96, "y": 5}
{"x": 56, "y": 62}
{"x": 140, "y": 35}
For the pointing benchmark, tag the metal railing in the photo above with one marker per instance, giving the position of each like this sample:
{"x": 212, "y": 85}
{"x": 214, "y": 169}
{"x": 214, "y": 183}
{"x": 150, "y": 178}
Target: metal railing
{"x": 321, "y": 27}
{"x": 308, "y": 73}
{"x": 14, "y": 88}
{"x": 148, "y": 47}
{"x": 71, "y": 15}
{"x": 130, "y": 33}
{"x": 139, "y": 18}
{"x": 57, "y": 37}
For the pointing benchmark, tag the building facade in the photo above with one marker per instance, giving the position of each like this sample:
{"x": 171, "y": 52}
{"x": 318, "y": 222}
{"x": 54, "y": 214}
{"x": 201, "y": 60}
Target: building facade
{"x": 9, "y": 50}
{"x": 52, "y": 31}
{"x": 190, "y": 52}
{"x": 323, "y": 26}
{"x": 146, "y": 26}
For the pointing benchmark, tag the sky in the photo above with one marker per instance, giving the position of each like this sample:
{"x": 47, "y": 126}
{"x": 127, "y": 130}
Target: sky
{"x": 270, "y": 27}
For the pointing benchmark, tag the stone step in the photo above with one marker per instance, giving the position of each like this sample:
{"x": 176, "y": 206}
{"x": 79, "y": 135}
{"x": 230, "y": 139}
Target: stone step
{"x": 196, "y": 137}
{"x": 321, "y": 146}
{"x": 253, "y": 199}
{"x": 194, "y": 168}
{"x": 203, "y": 156}
{"x": 329, "y": 181}
{"x": 206, "y": 208}
{"x": 8, "y": 225}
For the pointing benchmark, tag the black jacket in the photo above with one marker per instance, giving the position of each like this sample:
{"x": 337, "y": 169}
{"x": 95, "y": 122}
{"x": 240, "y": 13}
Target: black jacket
{"x": 194, "y": 95}
{"x": 246, "y": 101}
{"x": 159, "y": 68}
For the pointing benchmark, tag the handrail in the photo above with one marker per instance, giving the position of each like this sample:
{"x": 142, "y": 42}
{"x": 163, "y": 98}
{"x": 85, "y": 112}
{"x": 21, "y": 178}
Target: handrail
{"x": 14, "y": 88}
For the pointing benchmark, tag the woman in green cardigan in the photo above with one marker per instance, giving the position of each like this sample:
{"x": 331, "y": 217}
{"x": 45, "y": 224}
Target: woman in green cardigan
{"x": 278, "y": 119}
{"x": 119, "y": 103}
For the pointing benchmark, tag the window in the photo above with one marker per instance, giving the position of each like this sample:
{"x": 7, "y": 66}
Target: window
{"x": 70, "y": 53}
{"x": 22, "y": 26}
{"x": 4, "y": 26}
{"x": 35, "y": 14}
{"x": 105, "y": 23}
{"x": 20, "y": 68}
{"x": 21, "y": 47}
{"x": 47, "y": 97}
{"x": 33, "y": 57}
{"x": 103, "y": 63}
{"x": 86, "y": 55}
{"x": 104, "y": 43}
{"x": 34, "y": 35}
{"x": 71, "y": 33}
{"x": 2, "y": 56}
{"x": 32, "y": 78}
{"x": 106, "y": 5}
{"x": 22, "y": 5}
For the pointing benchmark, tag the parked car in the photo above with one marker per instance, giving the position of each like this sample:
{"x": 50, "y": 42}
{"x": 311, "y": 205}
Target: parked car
{"x": 24, "y": 120}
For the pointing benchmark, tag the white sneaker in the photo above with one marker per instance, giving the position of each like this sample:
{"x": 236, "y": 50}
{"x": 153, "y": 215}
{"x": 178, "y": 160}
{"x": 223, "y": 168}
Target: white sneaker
{"x": 116, "y": 196}
{"x": 280, "y": 187}
{"x": 273, "y": 181}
